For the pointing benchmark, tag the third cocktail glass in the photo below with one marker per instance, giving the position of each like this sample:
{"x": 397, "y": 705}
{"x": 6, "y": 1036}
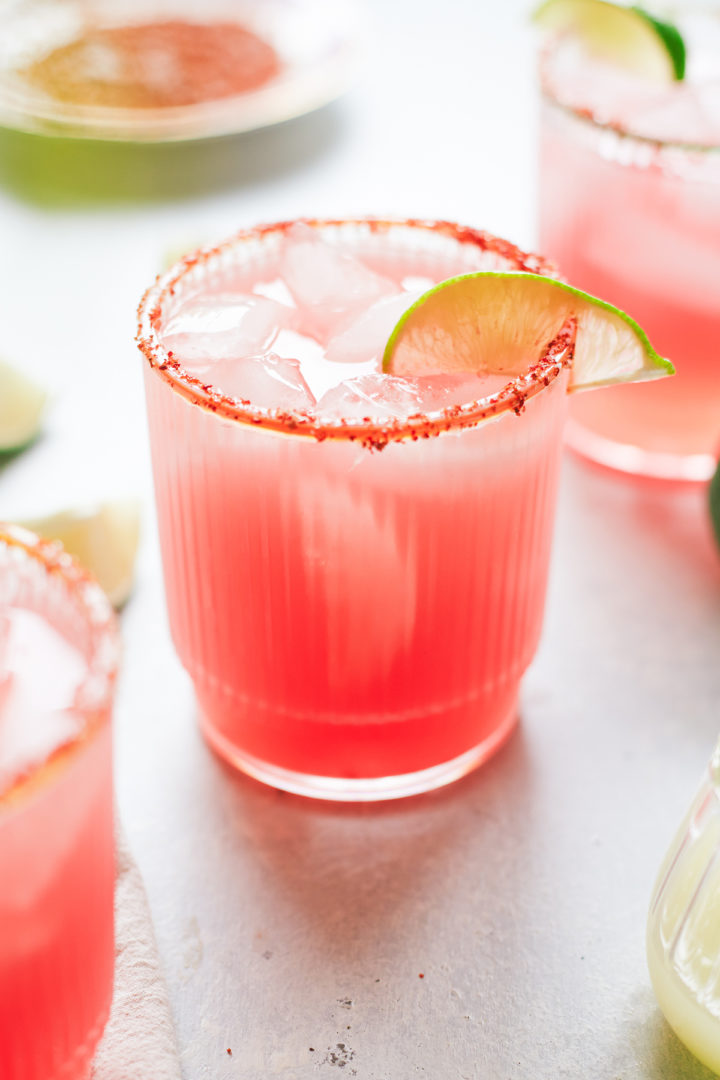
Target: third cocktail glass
{"x": 58, "y": 660}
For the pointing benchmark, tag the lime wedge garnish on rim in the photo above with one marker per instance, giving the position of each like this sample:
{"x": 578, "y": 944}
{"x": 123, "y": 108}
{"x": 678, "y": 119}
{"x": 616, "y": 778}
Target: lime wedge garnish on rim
{"x": 500, "y": 322}
{"x": 22, "y": 404}
{"x": 627, "y": 36}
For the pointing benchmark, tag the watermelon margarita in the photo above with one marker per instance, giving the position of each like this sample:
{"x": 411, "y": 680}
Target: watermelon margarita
{"x": 630, "y": 210}
{"x": 355, "y": 563}
{"x": 57, "y": 669}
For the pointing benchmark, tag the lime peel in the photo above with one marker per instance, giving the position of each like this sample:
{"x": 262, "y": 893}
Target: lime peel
{"x": 22, "y": 407}
{"x": 672, "y": 40}
{"x": 500, "y": 322}
{"x": 626, "y": 36}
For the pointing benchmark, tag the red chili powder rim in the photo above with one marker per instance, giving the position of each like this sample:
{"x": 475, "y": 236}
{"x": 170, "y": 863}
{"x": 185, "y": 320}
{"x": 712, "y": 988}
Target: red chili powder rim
{"x": 95, "y": 693}
{"x": 373, "y": 433}
{"x": 204, "y": 61}
{"x": 591, "y": 121}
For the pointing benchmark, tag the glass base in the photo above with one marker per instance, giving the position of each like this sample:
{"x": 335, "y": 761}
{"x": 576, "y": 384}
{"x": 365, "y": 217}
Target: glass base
{"x": 365, "y": 789}
{"x": 80, "y": 1065}
{"x": 634, "y": 461}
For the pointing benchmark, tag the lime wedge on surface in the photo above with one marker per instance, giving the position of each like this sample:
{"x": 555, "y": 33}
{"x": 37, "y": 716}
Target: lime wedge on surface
{"x": 22, "y": 404}
{"x": 626, "y": 36}
{"x": 103, "y": 538}
{"x": 714, "y": 498}
{"x": 499, "y": 323}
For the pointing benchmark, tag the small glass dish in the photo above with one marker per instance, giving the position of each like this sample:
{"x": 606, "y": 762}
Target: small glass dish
{"x": 315, "y": 42}
{"x": 53, "y": 149}
{"x": 683, "y": 934}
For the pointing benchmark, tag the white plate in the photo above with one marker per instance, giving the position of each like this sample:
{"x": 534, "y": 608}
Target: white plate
{"x": 318, "y": 42}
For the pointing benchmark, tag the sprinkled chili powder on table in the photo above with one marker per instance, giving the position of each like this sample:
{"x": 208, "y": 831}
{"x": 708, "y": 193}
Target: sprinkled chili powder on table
{"x": 155, "y": 65}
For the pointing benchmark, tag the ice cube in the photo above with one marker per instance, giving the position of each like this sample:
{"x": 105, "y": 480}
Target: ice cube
{"x": 365, "y": 338}
{"x": 269, "y": 382}
{"x": 443, "y": 391}
{"x": 213, "y": 327}
{"x": 372, "y": 397}
{"x": 5, "y": 675}
{"x": 296, "y": 346}
{"x": 318, "y": 373}
{"x": 330, "y": 286}
{"x": 275, "y": 290}
{"x": 4, "y": 641}
{"x": 688, "y": 113}
{"x": 381, "y": 397}
{"x": 418, "y": 283}
{"x": 369, "y": 595}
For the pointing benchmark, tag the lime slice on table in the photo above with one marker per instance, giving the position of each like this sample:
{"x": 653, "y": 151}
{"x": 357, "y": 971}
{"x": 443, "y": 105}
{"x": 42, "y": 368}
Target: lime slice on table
{"x": 714, "y": 498}
{"x": 22, "y": 404}
{"x": 497, "y": 322}
{"x": 627, "y": 36}
{"x": 103, "y": 538}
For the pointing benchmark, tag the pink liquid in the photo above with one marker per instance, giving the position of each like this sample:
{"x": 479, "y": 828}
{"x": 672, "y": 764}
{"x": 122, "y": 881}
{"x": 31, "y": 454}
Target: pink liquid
{"x": 352, "y": 616}
{"x": 56, "y": 856}
{"x": 371, "y": 615}
{"x": 638, "y": 224}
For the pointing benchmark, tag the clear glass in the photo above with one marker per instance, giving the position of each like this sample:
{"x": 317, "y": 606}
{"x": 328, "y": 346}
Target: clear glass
{"x": 355, "y": 604}
{"x": 683, "y": 934}
{"x": 637, "y": 222}
{"x": 56, "y": 835}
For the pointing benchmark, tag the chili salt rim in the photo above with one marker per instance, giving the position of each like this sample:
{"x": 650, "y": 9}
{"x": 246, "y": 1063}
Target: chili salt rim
{"x": 373, "y": 433}
{"x": 94, "y": 694}
{"x": 588, "y": 118}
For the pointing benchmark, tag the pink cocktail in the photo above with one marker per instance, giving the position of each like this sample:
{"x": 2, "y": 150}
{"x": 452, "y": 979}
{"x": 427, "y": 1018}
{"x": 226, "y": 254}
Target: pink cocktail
{"x": 630, "y": 211}
{"x": 355, "y": 564}
{"x": 58, "y": 658}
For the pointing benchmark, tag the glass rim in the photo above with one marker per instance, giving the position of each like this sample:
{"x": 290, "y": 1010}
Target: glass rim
{"x": 588, "y": 119}
{"x": 373, "y": 433}
{"x": 94, "y": 695}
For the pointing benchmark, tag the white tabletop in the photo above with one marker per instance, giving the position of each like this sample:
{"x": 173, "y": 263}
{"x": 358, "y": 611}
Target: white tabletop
{"x": 296, "y": 933}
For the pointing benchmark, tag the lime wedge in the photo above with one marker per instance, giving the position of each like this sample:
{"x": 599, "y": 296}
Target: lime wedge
{"x": 714, "y": 498}
{"x": 22, "y": 404}
{"x": 499, "y": 323}
{"x": 626, "y": 36}
{"x": 103, "y": 538}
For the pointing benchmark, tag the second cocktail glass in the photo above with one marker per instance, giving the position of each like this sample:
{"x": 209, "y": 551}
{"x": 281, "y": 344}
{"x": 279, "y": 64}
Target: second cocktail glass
{"x": 630, "y": 211}
{"x": 355, "y": 594}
